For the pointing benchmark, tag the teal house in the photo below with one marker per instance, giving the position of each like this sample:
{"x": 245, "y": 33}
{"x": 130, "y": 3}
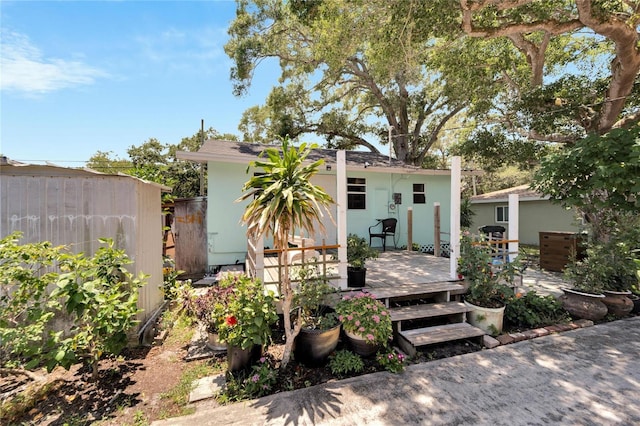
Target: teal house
{"x": 366, "y": 187}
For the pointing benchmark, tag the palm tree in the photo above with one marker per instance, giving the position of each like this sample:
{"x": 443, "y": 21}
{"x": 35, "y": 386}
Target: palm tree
{"x": 284, "y": 200}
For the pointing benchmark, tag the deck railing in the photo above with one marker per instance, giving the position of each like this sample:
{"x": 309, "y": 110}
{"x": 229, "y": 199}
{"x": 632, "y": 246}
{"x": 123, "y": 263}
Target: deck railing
{"x": 267, "y": 265}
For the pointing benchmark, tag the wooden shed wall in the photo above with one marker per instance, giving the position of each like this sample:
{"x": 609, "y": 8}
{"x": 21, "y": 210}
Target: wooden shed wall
{"x": 77, "y": 210}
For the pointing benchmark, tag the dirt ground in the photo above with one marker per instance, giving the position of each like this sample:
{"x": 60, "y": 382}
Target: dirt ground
{"x": 127, "y": 385}
{"x": 130, "y": 388}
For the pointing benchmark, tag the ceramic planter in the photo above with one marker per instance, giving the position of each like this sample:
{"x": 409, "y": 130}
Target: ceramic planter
{"x": 584, "y": 305}
{"x": 359, "y": 345}
{"x": 214, "y": 343}
{"x": 489, "y": 320}
{"x": 312, "y": 347}
{"x": 618, "y": 303}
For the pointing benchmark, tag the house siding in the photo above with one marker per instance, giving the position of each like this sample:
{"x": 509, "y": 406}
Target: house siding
{"x": 226, "y": 236}
{"x": 535, "y": 217}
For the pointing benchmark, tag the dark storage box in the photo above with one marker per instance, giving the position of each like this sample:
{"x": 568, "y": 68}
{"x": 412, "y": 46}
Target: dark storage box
{"x": 557, "y": 248}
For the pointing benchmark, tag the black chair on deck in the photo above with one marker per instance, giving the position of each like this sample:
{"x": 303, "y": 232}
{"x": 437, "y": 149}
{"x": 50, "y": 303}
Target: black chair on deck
{"x": 388, "y": 230}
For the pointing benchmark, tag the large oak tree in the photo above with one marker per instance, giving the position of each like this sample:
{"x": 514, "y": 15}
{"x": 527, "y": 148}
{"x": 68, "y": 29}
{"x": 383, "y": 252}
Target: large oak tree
{"x": 356, "y": 72}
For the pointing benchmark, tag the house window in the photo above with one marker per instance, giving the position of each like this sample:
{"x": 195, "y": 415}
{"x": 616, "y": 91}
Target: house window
{"x": 356, "y": 193}
{"x": 502, "y": 214}
{"x": 418, "y": 194}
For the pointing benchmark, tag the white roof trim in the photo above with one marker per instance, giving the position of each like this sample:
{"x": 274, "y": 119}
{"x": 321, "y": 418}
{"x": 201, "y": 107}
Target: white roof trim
{"x": 506, "y": 200}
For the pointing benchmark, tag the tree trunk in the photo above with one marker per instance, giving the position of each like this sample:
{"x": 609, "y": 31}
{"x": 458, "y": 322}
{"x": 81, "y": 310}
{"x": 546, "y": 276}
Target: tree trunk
{"x": 290, "y": 331}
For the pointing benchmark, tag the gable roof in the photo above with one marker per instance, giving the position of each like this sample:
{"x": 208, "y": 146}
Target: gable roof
{"x": 244, "y": 152}
{"x": 525, "y": 193}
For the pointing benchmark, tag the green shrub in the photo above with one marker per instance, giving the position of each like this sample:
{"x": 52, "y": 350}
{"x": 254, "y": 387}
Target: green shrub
{"x": 345, "y": 362}
{"x": 98, "y": 294}
{"x": 532, "y": 310}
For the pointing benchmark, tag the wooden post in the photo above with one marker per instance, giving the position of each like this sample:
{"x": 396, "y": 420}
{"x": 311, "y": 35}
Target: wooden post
{"x": 436, "y": 229}
{"x": 410, "y": 228}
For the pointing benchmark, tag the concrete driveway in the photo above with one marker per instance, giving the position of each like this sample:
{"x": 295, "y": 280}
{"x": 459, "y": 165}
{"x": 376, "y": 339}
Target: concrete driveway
{"x": 589, "y": 376}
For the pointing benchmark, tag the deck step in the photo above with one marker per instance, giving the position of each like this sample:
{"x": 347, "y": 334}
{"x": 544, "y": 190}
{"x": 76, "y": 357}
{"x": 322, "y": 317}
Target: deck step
{"x": 431, "y": 310}
{"x": 414, "y": 291}
{"x": 410, "y": 340}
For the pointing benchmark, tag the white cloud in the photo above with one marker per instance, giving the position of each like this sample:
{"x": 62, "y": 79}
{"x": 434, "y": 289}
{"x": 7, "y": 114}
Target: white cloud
{"x": 195, "y": 51}
{"x": 24, "y": 69}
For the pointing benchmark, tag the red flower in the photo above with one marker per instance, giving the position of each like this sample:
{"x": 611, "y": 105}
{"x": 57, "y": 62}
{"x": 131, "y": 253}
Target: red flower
{"x": 231, "y": 321}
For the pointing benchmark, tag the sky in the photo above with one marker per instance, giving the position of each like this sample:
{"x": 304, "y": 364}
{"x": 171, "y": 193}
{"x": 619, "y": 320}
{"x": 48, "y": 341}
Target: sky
{"x": 77, "y": 77}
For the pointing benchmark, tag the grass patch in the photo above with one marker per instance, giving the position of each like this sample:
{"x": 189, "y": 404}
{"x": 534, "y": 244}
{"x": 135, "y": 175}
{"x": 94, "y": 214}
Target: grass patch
{"x": 181, "y": 329}
{"x": 179, "y": 394}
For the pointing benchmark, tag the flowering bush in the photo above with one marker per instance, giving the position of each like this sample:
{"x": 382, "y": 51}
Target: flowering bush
{"x": 249, "y": 314}
{"x": 362, "y": 314}
{"x": 261, "y": 380}
{"x": 391, "y": 361}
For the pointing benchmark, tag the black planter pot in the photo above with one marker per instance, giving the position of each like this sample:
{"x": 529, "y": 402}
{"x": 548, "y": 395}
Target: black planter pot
{"x": 241, "y": 359}
{"x": 636, "y": 304}
{"x": 312, "y": 347}
{"x": 356, "y": 277}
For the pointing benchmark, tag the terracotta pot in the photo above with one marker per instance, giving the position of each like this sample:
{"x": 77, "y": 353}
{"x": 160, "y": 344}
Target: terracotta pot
{"x": 488, "y": 319}
{"x": 584, "y": 305}
{"x": 214, "y": 343}
{"x": 312, "y": 347}
{"x": 241, "y": 359}
{"x": 618, "y": 303}
{"x": 359, "y": 345}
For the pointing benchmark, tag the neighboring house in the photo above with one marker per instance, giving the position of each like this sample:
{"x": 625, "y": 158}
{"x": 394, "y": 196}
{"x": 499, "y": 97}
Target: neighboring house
{"x": 536, "y": 213}
{"x": 76, "y": 207}
{"x": 377, "y": 187}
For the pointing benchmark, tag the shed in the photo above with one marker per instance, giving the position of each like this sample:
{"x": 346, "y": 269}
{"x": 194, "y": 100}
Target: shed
{"x": 76, "y": 207}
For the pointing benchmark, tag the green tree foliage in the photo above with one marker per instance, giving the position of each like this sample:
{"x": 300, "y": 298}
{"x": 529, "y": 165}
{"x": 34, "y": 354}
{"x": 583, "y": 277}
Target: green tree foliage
{"x": 157, "y": 162}
{"x": 600, "y": 175}
{"x": 352, "y": 70}
{"x": 284, "y": 201}
{"x": 583, "y": 61}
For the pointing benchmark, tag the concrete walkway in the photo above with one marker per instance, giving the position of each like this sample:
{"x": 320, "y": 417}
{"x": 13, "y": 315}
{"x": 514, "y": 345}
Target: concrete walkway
{"x": 589, "y": 376}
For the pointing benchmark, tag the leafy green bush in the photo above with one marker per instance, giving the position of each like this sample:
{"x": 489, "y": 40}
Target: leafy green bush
{"x": 97, "y": 294}
{"x": 532, "y": 310}
{"x": 345, "y": 362}
{"x": 25, "y": 305}
{"x": 101, "y": 296}
{"x": 249, "y": 313}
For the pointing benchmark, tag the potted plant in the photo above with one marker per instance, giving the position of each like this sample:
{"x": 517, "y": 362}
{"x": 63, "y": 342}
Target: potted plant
{"x": 358, "y": 252}
{"x": 248, "y": 318}
{"x": 488, "y": 286}
{"x": 210, "y": 310}
{"x": 320, "y": 328}
{"x": 365, "y": 321}
{"x": 622, "y": 276}
{"x": 587, "y": 276}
